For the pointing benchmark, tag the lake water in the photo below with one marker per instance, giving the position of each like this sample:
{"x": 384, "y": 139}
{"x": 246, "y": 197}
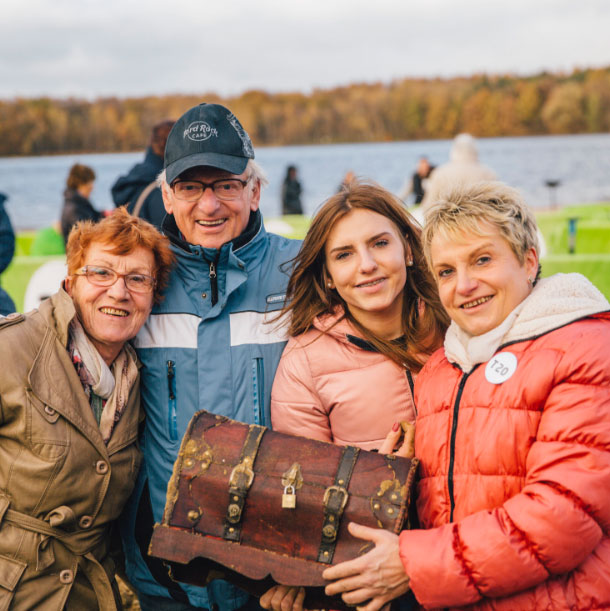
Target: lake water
{"x": 581, "y": 164}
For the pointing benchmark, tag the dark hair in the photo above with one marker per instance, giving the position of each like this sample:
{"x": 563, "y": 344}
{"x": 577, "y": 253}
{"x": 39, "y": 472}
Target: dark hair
{"x": 424, "y": 320}
{"x": 79, "y": 175}
{"x": 160, "y": 131}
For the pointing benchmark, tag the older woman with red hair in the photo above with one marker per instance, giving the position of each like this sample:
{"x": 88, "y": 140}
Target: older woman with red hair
{"x": 69, "y": 414}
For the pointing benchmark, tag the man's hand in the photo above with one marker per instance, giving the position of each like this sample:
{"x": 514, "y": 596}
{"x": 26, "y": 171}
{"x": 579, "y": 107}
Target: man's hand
{"x": 283, "y": 598}
{"x": 377, "y": 577}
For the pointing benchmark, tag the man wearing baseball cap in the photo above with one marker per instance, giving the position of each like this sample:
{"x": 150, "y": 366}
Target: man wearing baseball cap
{"x": 206, "y": 345}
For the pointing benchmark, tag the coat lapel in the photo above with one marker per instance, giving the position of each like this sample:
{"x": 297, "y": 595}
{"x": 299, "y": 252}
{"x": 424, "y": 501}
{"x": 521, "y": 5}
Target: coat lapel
{"x": 54, "y": 381}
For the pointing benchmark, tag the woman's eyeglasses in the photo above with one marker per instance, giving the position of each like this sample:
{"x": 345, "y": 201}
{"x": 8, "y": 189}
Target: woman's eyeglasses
{"x": 102, "y": 276}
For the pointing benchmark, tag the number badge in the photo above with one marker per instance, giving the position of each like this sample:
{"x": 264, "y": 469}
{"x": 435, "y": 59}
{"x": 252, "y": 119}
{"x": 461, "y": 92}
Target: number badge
{"x": 500, "y": 367}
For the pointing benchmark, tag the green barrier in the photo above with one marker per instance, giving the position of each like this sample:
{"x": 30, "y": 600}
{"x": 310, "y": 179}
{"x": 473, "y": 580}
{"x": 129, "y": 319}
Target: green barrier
{"x": 596, "y": 267}
{"x": 23, "y": 243}
{"x": 290, "y": 226}
{"x": 47, "y": 242}
{"x": 591, "y": 229}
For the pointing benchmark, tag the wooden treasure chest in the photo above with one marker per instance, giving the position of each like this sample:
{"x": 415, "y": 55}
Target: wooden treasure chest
{"x": 266, "y": 507}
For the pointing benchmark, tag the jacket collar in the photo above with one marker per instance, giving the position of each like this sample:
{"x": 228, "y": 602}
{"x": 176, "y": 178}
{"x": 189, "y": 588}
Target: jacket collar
{"x": 58, "y": 312}
{"x": 340, "y": 328}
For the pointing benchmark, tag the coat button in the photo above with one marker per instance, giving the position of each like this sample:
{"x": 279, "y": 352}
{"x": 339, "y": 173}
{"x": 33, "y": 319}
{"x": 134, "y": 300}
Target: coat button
{"x": 66, "y": 576}
{"x": 204, "y": 295}
{"x": 101, "y": 467}
{"x": 49, "y": 410}
{"x": 85, "y": 522}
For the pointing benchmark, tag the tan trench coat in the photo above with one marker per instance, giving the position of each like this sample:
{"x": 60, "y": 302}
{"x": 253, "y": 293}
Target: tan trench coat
{"x": 60, "y": 486}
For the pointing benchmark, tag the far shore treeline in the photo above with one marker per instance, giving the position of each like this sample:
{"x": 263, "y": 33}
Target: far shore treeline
{"x": 408, "y": 109}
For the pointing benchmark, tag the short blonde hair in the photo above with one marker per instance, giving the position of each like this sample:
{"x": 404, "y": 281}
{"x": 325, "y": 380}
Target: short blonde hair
{"x": 468, "y": 208}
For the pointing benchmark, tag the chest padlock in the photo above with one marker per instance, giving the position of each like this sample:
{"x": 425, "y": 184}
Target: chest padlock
{"x": 289, "y": 498}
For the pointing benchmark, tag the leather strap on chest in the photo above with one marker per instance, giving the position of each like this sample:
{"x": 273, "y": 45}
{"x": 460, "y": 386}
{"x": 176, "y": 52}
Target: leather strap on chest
{"x": 240, "y": 482}
{"x": 335, "y": 500}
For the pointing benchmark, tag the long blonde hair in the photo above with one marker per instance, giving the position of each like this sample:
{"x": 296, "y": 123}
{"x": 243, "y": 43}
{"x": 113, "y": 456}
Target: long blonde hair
{"x": 423, "y": 321}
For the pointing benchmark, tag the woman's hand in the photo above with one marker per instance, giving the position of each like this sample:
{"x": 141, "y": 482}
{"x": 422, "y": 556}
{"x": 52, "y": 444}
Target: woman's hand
{"x": 377, "y": 577}
{"x": 283, "y": 598}
{"x": 407, "y": 447}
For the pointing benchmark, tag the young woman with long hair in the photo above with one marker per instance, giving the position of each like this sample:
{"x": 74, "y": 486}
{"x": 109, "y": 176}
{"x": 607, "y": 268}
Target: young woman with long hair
{"x": 365, "y": 315}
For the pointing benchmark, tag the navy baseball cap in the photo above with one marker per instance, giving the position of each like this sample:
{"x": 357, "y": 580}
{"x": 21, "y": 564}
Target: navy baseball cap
{"x": 210, "y": 135}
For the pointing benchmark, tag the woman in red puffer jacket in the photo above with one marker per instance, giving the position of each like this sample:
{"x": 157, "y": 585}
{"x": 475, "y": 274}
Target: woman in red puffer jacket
{"x": 513, "y": 429}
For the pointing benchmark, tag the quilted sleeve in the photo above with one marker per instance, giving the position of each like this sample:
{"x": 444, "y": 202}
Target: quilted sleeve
{"x": 295, "y": 405}
{"x": 560, "y": 516}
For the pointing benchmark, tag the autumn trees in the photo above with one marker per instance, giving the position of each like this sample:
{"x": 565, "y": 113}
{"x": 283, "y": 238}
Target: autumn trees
{"x": 407, "y": 109}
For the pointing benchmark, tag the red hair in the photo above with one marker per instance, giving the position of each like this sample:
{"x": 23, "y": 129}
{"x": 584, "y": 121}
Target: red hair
{"x": 123, "y": 233}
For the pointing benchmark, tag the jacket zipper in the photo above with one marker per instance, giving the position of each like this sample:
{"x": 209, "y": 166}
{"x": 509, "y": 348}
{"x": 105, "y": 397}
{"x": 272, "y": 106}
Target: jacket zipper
{"x": 411, "y": 388}
{"x": 258, "y": 381}
{"x": 456, "y": 409}
{"x": 171, "y": 406}
{"x": 214, "y": 279}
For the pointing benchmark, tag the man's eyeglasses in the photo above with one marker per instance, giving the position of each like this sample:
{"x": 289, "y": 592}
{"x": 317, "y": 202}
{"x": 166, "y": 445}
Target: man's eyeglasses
{"x": 102, "y": 276}
{"x": 225, "y": 189}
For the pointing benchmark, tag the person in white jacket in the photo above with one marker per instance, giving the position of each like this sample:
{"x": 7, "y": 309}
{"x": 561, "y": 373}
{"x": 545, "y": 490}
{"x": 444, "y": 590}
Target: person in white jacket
{"x": 463, "y": 168}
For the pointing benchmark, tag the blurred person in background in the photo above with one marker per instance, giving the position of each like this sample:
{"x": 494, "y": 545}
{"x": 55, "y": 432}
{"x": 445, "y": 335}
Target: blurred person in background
{"x": 138, "y": 189}
{"x": 418, "y": 182}
{"x": 77, "y": 206}
{"x": 291, "y": 192}
{"x": 462, "y": 169}
{"x": 7, "y": 249}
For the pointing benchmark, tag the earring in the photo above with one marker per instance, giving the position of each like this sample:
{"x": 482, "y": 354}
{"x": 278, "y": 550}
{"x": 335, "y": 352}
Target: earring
{"x": 329, "y": 284}
{"x": 409, "y": 262}
{"x": 529, "y": 280}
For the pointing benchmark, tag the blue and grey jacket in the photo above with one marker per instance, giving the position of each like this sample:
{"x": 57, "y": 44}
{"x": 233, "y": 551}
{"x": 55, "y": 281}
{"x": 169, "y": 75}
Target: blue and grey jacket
{"x": 205, "y": 346}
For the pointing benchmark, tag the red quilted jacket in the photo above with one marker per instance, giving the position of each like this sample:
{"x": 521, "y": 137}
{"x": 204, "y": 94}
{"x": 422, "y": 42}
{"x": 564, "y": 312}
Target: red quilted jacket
{"x": 515, "y": 476}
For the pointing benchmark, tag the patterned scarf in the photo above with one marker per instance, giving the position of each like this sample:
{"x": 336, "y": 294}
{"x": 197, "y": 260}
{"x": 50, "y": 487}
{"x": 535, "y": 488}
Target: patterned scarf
{"x": 107, "y": 388}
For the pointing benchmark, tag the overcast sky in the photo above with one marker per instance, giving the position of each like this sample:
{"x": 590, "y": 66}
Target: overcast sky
{"x": 91, "y": 48}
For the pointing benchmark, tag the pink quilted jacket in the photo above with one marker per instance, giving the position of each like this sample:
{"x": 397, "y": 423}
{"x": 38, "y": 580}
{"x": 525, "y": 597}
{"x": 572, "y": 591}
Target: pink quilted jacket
{"x": 515, "y": 477}
{"x": 329, "y": 387}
